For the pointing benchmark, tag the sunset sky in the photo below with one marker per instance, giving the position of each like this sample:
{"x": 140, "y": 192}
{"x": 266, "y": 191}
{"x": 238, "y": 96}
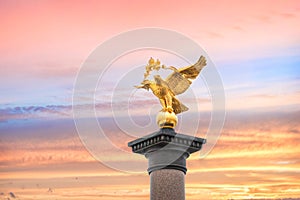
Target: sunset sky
{"x": 255, "y": 46}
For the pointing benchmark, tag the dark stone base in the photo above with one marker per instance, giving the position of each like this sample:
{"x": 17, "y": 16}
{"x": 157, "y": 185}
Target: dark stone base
{"x": 166, "y": 149}
{"x": 167, "y": 158}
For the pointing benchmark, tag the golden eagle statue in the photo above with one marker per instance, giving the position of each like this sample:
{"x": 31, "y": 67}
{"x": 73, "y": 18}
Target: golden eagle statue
{"x": 176, "y": 83}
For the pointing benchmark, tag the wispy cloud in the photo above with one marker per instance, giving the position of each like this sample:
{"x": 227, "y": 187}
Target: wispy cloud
{"x": 28, "y": 112}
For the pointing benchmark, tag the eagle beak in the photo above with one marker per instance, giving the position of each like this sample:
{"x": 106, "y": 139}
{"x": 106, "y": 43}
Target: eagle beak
{"x": 142, "y": 86}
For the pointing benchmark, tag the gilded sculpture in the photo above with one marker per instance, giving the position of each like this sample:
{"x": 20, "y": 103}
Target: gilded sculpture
{"x": 166, "y": 90}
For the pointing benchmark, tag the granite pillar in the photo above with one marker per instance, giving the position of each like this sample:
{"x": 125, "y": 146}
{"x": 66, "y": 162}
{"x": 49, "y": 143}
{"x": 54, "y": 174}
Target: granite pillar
{"x": 167, "y": 184}
{"x": 167, "y": 152}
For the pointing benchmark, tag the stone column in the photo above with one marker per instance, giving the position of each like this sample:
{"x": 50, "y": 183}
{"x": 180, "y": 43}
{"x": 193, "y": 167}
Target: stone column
{"x": 167, "y": 152}
{"x": 167, "y": 184}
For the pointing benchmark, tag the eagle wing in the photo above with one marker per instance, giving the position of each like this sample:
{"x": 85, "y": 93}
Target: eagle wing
{"x": 177, "y": 106}
{"x": 179, "y": 81}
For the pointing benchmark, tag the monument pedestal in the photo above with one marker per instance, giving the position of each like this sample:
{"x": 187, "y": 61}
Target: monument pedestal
{"x": 167, "y": 152}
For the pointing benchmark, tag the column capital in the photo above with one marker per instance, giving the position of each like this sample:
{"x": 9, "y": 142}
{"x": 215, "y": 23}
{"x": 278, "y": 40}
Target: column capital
{"x": 166, "y": 149}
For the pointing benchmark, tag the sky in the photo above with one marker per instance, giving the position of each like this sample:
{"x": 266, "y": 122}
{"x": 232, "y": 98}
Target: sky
{"x": 254, "y": 45}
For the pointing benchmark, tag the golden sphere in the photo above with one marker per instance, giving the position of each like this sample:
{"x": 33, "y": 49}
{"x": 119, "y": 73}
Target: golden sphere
{"x": 166, "y": 119}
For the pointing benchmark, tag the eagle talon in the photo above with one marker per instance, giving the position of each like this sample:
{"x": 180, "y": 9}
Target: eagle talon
{"x": 169, "y": 109}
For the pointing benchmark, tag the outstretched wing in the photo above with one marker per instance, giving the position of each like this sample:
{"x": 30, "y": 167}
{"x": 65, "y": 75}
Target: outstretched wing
{"x": 191, "y": 72}
{"x": 179, "y": 81}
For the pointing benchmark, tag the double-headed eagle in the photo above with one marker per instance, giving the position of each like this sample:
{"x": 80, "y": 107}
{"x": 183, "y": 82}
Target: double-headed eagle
{"x": 176, "y": 83}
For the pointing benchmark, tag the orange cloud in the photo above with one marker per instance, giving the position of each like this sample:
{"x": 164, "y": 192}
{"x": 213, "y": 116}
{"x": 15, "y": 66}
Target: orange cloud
{"x": 256, "y": 157}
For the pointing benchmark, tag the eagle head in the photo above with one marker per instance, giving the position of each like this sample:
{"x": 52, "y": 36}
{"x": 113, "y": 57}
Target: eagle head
{"x": 157, "y": 79}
